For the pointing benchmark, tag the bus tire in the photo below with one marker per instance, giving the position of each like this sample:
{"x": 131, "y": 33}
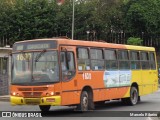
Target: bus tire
{"x": 133, "y": 99}
{"x": 44, "y": 108}
{"x": 84, "y": 102}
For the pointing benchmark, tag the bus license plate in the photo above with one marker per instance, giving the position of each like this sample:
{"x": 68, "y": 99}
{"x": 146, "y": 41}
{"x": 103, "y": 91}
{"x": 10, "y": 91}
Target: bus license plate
{"x": 32, "y": 101}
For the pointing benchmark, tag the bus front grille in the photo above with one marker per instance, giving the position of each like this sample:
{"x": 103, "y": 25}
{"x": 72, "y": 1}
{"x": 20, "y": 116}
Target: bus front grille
{"x": 32, "y": 94}
{"x": 25, "y": 89}
{"x": 33, "y": 89}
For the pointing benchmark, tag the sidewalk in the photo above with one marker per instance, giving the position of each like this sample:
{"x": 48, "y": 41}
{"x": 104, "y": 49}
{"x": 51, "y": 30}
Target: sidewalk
{"x": 5, "y": 98}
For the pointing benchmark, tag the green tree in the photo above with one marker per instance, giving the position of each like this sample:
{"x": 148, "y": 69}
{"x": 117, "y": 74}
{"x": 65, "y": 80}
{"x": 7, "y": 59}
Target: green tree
{"x": 134, "y": 41}
{"x": 142, "y": 16}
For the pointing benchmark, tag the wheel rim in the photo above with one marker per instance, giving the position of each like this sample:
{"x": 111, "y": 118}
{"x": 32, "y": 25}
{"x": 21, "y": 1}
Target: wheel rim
{"x": 134, "y": 97}
{"x": 85, "y": 103}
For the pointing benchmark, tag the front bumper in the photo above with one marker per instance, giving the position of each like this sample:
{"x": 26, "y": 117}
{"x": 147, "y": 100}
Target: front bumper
{"x": 52, "y": 100}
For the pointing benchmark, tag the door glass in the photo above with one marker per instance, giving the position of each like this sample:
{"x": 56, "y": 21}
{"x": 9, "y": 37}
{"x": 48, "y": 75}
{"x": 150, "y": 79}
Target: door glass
{"x": 67, "y": 65}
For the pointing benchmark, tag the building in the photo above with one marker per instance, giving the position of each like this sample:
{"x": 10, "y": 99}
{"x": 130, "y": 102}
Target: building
{"x": 5, "y": 74}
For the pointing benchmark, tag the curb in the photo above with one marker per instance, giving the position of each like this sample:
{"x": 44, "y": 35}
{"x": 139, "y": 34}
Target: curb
{"x": 4, "y": 98}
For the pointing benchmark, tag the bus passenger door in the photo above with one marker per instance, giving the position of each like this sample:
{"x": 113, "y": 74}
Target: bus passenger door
{"x": 68, "y": 72}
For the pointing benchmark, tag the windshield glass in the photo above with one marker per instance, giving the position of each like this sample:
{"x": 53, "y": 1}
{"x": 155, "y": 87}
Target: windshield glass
{"x": 26, "y": 68}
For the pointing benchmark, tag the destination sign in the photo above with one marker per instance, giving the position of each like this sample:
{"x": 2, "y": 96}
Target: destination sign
{"x": 35, "y": 45}
{"x": 38, "y": 46}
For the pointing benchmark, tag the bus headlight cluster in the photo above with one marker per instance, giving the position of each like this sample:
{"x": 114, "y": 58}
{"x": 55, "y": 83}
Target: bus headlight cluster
{"x": 15, "y": 94}
{"x": 48, "y": 94}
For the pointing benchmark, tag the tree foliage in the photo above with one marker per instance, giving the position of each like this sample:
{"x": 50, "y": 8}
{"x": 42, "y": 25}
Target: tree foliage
{"x": 29, "y": 19}
{"x": 142, "y": 16}
{"x": 134, "y": 41}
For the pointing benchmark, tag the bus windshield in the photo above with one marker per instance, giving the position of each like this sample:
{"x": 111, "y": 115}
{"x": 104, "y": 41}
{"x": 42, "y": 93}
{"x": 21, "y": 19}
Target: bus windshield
{"x": 35, "y": 67}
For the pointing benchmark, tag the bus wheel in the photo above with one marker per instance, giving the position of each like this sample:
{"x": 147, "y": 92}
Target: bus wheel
{"x": 133, "y": 96}
{"x": 133, "y": 99}
{"x": 83, "y": 106}
{"x": 44, "y": 108}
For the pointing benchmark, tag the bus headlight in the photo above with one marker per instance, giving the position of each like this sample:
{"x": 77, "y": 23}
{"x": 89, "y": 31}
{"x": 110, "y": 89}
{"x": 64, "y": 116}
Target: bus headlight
{"x": 14, "y": 93}
{"x": 49, "y": 93}
{"x": 52, "y": 93}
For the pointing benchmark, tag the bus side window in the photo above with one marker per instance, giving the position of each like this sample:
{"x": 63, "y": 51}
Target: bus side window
{"x": 83, "y": 59}
{"x": 110, "y": 59}
{"x": 145, "y": 60}
{"x": 97, "y": 59}
{"x": 123, "y": 58}
{"x": 152, "y": 60}
{"x": 135, "y": 60}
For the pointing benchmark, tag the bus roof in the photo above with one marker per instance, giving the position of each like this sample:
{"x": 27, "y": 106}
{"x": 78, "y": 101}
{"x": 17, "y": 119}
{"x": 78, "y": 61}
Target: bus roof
{"x": 64, "y": 41}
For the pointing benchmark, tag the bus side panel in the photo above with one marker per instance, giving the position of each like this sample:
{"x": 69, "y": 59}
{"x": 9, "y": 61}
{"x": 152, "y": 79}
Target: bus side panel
{"x": 137, "y": 78}
{"x": 101, "y": 90}
{"x": 70, "y": 95}
{"x": 147, "y": 81}
{"x": 116, "y": 93}
{"x": 154, "y": 80}
{"x": 92, "y": 79}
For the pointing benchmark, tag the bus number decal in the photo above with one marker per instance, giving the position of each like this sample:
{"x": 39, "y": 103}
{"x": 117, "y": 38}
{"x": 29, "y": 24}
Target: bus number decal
{"x": 87, "y": 76}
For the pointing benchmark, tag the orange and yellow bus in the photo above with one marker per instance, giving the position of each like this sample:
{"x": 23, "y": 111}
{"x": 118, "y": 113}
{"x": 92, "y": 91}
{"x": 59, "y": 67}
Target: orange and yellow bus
{"x": 63, "y": 72}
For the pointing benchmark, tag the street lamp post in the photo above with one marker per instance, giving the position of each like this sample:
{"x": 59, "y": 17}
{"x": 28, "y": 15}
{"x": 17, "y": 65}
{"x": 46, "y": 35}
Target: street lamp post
{"x": 73, "y": 20}
{"x": 88, "y": 34}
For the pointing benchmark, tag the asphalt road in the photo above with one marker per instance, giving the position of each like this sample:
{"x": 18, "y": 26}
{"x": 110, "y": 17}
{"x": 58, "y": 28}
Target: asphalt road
{"x": 116, "y": 108}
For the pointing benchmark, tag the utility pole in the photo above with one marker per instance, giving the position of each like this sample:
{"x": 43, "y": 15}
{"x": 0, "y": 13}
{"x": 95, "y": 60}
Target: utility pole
{"x": 73, "y": 20}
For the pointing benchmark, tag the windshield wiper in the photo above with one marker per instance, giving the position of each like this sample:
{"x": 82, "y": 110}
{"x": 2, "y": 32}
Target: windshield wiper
{"x": 39, "y": 55}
